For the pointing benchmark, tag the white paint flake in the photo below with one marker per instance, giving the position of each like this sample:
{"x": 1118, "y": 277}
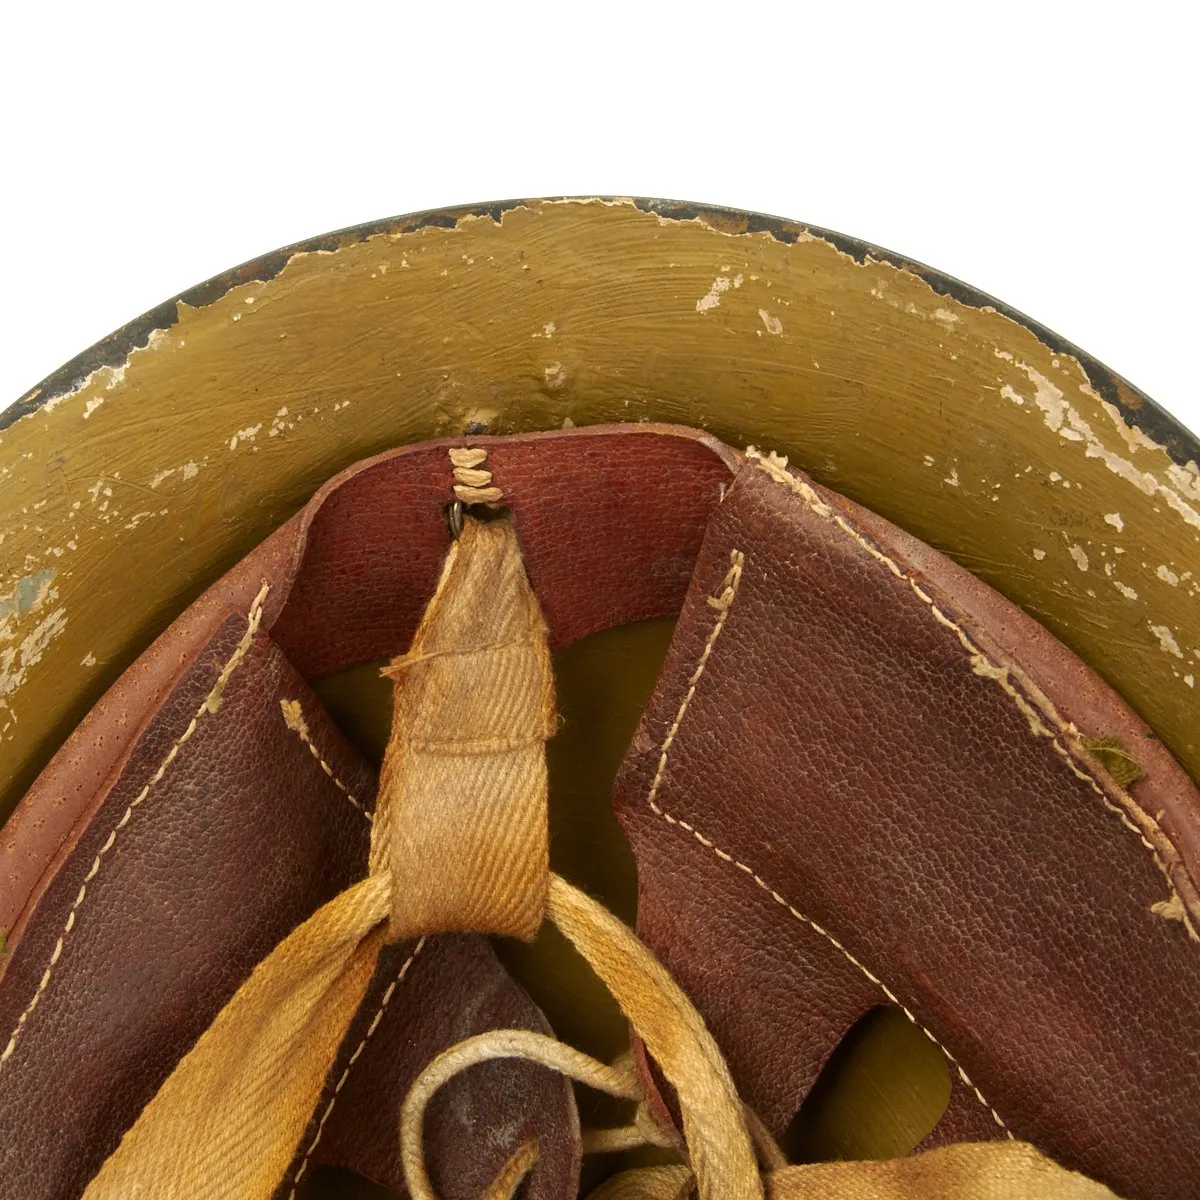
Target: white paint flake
{"x": 720, "y": 285}
{"x": 1180, "y": 490}
{"x": 189, "y": 470}
{"x": 772, "y": 325}
{"x": 1166, "y": 639}
{"x": 1079, "y": 554}
{"x": 245, "y": 435}
{"x": 1115, "y": 520}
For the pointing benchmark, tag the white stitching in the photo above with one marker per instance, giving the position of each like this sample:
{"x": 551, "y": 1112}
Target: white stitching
{"x": 341, "y": 1083}
{"x": 722, "y": 603}
{"x": 774, "y": 466}
{"x": 211, "y": 703}
{"x": 293, "y": 716}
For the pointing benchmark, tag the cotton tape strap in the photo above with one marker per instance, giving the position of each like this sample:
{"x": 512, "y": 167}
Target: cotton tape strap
{"x": 967, "y": 1171}
{"x": 459, "y": 842}
{"x": 460, "y": 825}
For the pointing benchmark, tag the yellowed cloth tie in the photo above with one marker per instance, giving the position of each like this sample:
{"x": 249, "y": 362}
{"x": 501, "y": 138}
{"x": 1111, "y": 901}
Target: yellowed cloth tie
{"x": 459, "y": 843}
{"x": 967, "y": 1171}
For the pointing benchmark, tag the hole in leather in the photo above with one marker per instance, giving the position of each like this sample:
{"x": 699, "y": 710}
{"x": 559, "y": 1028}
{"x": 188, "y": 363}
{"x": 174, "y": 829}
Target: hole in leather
{"x": 880, "y": 1093}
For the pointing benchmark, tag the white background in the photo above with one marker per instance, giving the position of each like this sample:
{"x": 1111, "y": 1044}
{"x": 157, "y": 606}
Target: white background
{"x": 1045, "y": 153}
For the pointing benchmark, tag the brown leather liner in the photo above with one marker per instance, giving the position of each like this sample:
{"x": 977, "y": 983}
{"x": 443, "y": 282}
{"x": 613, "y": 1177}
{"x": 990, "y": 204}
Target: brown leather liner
{"x": 846, "y": 758}
{"x": 610, "y": 519}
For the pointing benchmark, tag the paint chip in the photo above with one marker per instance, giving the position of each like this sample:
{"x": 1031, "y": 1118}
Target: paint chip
{"x": 772, "y": 324}
{"x": 1166, "y": 639}
{"x": 712, "y": 298}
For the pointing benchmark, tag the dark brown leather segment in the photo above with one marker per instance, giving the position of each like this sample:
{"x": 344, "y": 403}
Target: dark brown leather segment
{"x": 241, "y": 835}
{"x": 45, "y": 826}
{"x": 610, "y": 519}
{"x": 238, "y": 840}
{"x": 474, "y": 1123}
{"x": 841, "y": 752}
{"x": 610, "y": 522}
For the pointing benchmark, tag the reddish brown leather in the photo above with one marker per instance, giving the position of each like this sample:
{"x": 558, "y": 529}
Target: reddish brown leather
{"x": 245, "y": 834}
{"x": 610, "y": 520}
{"x": 841, "y": 748}
{"x": 239, "y": 840}
{"x": 838, "y": 744}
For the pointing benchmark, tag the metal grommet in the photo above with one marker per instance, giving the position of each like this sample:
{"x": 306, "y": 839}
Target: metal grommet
{"x": 454, "y": 516}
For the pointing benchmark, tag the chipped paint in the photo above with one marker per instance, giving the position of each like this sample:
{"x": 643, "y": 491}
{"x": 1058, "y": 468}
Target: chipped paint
{"x": 189, "y": 470}
{"x": 28, "y": 594}
{"x": 1079, "y": 554}
{"x": 879, "y": 400}
{"x": 28, "y": 598}
{"x": 1115, "y": 520}
{"x": 1166, "y": 639}
{"x": 1167, "y": 575}
{"x": 245, "y": 435}
{"x": 773, "y": 325}
{"x": 1062, "y": 418}
{"x": 712, "y": 298}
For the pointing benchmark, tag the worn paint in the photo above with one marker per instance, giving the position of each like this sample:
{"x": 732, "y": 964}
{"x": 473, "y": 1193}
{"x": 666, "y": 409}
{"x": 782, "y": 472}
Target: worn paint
{"x": 880, "y": 371}
{"x": 771, "y": 324}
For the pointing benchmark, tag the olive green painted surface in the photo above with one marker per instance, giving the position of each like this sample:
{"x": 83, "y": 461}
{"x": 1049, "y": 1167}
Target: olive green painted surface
{"x": 123, "y": 496}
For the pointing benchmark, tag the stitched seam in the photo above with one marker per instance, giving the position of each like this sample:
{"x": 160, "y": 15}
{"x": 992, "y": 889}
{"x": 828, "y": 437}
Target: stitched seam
{"x": 846, "y": 954}
{"x": 341, "y": 1083}
{"x": 293, "y": 716}
{"x": 774, "y": 467}
{"x": 211, "y": 703}
{"x": 723, "y": 602}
